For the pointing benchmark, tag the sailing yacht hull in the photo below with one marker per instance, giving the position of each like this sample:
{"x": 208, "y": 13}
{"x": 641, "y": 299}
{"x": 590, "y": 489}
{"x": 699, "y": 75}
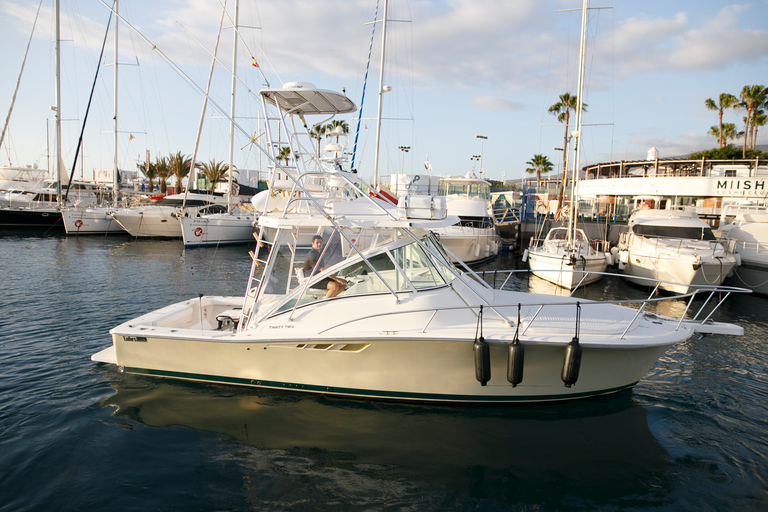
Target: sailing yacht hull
{"x": 31, "y": 218}
{"x": 151, "y": 222}
{"x": 558, "y": 269}
{"x": 91, "y": 221}
{"x": 218, "y": 229}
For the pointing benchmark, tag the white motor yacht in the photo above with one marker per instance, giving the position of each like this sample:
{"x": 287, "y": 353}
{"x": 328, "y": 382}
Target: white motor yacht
{"x": 406, "y": 324}
{"x": 675, "y": 247}
{"x": 748, "y": 230}
{"x": 474, "y": 238}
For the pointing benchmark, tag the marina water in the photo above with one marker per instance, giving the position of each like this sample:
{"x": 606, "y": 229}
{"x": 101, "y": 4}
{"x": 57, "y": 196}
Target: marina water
{"x": 77, "y": 435}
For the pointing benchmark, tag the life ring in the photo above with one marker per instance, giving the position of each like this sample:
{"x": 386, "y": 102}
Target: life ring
{"x": 78, "y": 223}
{"x": 198, "y": 232}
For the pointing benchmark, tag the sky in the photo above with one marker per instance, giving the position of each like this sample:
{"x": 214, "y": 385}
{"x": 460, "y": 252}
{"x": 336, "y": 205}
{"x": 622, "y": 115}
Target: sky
{"x": 457, "y": 69}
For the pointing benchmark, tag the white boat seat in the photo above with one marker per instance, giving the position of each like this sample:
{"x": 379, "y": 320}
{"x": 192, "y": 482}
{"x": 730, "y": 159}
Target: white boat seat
{"x": 228, "y": 320}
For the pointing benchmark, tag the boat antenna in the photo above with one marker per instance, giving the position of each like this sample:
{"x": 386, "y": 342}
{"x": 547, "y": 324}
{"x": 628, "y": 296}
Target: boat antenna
{"x": 365, "y": 82}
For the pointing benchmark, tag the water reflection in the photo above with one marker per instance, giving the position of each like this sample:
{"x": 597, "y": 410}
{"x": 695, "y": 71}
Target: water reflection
{"x": 599, "y": 450}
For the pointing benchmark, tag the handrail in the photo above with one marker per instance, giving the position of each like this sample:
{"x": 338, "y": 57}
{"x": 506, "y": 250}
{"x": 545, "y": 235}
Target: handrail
{"x": 541, "y": 305}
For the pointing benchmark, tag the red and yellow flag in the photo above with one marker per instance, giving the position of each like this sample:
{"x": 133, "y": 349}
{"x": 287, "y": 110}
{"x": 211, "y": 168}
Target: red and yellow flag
{"x": 255, "y": 64}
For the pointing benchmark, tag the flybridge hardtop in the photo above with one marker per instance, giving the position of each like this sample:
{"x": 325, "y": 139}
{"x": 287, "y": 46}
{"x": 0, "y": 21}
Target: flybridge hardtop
{"x": 303, "y": 98}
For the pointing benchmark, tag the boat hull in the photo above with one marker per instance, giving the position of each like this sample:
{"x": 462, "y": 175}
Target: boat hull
{"x": 154, "y": 224}
{"x": 557, "y": 268}
{"x": 182, "y": 341}
{"x": 91, "y": 221}
{"x": 31, "y": 218}
{"x": 681, "y": 272}
{"x": 470, "y": 245}
{"x": 218, "y": 229}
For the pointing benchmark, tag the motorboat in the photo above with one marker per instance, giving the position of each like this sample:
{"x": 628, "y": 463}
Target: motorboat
{"x": 407, "y": 324}
{"x": 747, "y": 227}
{"x": 506, "y": 213}
{"x": 567, "y": 257}
{"x": 161, "y": 218}
{"x": 474, "y": 238}
{"x": 675, "y": 247}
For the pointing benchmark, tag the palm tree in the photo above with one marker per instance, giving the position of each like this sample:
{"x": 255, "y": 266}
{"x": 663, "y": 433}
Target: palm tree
{"x": 725, "y": 101}
{"x": 284, "y": 155}
{"x": 562, "y": 109}
{"x": 317, "y": 133}
{"x": 179, "y": 167}
{"x": 214, "y": 171}
{"x": 333, "y": 125}
{"x": 730, "y": 133}
{"x": 539, "y": 164}
{"x": 150, "y": 171}
{"x": 163, "y": 171}
{"x": 757, "y": 121}
{"x": 752, "y": 97}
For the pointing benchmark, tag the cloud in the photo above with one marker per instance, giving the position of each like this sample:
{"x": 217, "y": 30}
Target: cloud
{"x": 495, "y": 104}
{"x": 645, "y": 44}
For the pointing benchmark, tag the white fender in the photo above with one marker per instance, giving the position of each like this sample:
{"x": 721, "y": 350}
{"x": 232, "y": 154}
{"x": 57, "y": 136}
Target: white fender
{"x": 608, "y": 259}
{"x": 525, "y": 255}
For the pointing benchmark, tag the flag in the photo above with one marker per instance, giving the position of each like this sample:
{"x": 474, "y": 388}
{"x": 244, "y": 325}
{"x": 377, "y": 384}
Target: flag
{"x": 255, "y": 64}
{"x": 131, "y": 137}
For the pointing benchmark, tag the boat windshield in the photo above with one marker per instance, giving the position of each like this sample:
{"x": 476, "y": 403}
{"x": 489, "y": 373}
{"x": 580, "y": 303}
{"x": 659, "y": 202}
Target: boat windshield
{"x": 463, "y": 188}
{"x": 682, "y": 232}
{"x": 406, "y": 266}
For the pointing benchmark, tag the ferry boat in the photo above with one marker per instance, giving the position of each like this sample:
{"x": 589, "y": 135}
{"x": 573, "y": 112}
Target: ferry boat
{"x": 704, "y": 186}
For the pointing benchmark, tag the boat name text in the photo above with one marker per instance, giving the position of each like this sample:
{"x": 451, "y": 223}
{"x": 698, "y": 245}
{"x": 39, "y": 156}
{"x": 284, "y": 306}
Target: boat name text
{"x": 135, "y": 338}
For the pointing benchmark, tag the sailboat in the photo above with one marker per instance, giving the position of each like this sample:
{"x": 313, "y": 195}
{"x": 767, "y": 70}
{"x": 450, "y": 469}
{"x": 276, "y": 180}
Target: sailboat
{"x": 91, "y": 219}
{"x": 232, "y": 226}
{"x": 566, "y": 256}
{"x": 44, "y": 217}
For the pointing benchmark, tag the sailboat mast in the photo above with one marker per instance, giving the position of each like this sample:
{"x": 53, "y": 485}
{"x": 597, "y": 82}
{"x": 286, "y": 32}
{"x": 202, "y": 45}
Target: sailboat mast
{"x": 577, "y": 133}
{"x": 115, "y": 175}
{"x": 381, "y": 93}
{"x": 232, "y": 108}
{"x": 57, "y": 104}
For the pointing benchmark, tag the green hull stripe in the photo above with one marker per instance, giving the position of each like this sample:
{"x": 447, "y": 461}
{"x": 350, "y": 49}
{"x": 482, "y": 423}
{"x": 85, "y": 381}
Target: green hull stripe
{"x": 368, "y": 393}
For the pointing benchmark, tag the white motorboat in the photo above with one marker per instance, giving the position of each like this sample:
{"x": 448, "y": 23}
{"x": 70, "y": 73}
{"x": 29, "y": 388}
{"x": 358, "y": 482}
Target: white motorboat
{"x": 474, "y": 238}
{"x": 161, "y": 218}
{"x": 506, "y": 213}
{"x": 562, "y": 251}
{"x": 675, "y": 247}
{"x": 406, "y": 325}
{"x": 748, "y": 229}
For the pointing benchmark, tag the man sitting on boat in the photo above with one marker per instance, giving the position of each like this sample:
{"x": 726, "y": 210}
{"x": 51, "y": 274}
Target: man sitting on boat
{"x": 332, "y": 284}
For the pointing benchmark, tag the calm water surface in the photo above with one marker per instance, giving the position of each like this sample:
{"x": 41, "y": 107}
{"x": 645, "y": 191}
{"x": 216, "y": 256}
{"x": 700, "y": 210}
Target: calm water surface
{"x": 76, "y": 435}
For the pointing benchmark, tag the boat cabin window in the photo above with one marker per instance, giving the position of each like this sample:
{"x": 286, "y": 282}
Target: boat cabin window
{"x": 469, "y": 189}
{"x": 683, "y": 232}
{"x": 475, "y": 222}
{"x": 400, "y": 269}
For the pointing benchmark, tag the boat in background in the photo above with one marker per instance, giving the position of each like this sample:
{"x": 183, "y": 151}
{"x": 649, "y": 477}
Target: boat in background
{"x": 474, "y": 238}
{"x": 746, "y": 226}
{"x": 675, "y": 247}
{"x": 161, "y": 218}
{"x": 506, "y": 213}
{"x": 566, "y": 257}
